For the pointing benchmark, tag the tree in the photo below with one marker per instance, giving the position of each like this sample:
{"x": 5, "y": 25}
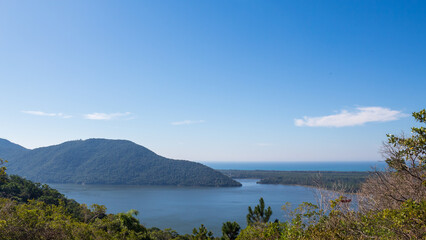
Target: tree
{"x": 259, "y": 215}
{"x": 405, "y": 178}
{"x": 202, "y": 233}
{"x": 408, "y": 155}
{"x": 230, "y": 230}
{"x": 3, "y": 175}
{"x": 127, "y": 220}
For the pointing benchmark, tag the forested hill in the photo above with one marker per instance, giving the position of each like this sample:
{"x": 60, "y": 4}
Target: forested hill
{"x": 9, "y": 149}
{"x": 103, "y": 161}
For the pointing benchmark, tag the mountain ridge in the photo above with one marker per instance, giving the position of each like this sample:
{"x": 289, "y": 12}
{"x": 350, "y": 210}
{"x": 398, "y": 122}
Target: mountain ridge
{"x": 106, "y": 161}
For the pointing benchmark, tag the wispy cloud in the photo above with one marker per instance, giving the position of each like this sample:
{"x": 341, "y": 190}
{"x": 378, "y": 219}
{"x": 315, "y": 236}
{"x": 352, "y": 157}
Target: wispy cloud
{"x": 187, "y": 122}
{"x": 40, "y": 113}
{"x": 345, "y": 118}
{"x": 106, "y": 116}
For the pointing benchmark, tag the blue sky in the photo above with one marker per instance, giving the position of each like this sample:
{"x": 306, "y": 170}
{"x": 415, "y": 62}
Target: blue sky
{"x": 214, "y": 80}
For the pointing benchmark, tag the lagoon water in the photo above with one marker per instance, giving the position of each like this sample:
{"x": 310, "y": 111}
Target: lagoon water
{"x": 183, "y": 208}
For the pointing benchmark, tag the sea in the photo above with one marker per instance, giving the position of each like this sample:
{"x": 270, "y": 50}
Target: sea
{"x": 357, "y": 166}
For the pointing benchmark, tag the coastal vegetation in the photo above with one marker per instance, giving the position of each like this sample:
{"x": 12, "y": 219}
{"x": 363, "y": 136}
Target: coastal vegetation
{"x": 331, "y": 180}
{"x": 391, "y": 204}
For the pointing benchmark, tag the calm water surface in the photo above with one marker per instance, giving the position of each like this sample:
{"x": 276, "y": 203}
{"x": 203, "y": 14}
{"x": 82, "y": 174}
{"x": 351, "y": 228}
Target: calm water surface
{"x": 183, "y": 208}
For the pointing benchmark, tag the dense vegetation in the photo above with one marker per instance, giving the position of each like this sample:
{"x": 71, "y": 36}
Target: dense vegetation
{"x": 21, "y": 190}
{"x": 390, "y": 205}
{"x": 8, "y": 150}
{"x": 346, "y": 181}
{"x": 101, "y": 161}
{"x": 33, "y": 211}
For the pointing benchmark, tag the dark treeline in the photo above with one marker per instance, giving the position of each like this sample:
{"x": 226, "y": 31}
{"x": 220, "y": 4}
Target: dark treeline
{"x": 332, "y": 180}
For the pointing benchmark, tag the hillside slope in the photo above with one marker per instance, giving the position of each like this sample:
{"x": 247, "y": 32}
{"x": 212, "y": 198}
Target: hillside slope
{"x": 9, "y": 150}
{"x": 103, "y": 161}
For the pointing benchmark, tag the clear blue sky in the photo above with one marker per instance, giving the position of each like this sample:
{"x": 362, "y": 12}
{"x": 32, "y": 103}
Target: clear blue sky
{"x": 214, "y": 80}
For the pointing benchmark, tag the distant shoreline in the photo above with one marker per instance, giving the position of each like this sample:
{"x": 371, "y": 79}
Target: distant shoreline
{"x": 346, "y": 181}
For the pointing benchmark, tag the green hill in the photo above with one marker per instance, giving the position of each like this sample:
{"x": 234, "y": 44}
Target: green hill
{"x": 9, "y": 149}
{"x": 103, "y": 161}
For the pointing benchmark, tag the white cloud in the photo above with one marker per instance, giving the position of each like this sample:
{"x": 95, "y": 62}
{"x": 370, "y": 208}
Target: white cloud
{"x": 187, "y": 122}
{"x": 105, "y": 116}
{"x": 345, "y": 118}
{"x": 40, "y": 113}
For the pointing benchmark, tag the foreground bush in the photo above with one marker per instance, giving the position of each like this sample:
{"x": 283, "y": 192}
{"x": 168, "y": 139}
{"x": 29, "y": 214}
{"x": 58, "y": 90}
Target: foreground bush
{"x": 38, "y": 220}
{"x": 407, "y": 222}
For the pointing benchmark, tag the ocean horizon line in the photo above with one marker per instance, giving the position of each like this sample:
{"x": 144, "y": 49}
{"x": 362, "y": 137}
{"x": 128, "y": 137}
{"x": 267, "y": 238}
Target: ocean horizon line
{"x": 299, "y": 166}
